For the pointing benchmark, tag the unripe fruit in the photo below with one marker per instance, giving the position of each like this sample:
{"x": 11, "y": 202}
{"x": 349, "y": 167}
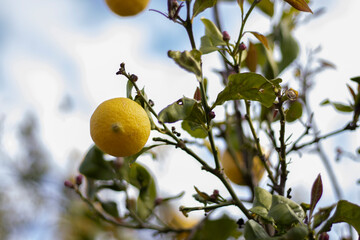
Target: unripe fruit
{"x": 126, "y": 8}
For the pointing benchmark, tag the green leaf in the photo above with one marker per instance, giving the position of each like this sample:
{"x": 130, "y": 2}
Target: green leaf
{"x": 194, "y": 129}
{"x": 294, "y": 112}
{"x": 139, "y": 177}
{"x": 322, "y": 215}
{"x": 183, "y": 109}
{"x": 356, "y": 79}
{"x": 285, "y": 211}
{"x": 300, "y": 5}
{"x": 201, "y": 5}
{"x": 129, "y": 87}
{"x": 298, "y": 232}
{"x": 338, "y": 106}
{"x": 142, "y": 102}
{"x": 133, "y": 158}
{"x": 262, "y": 198}
{"x": 262, "y": 203}
{"x": 254, "y": 231}
{"x": 288, "y": 45}
{"x": 218, "y": 229}
{"x": 206, "y": 46}
{"x": 212, "y": 39}
{"x": 249, "y": 86}
{"x": 95, "y": 166}
{"x": 190, "y": 61}
{"x": 266, "y": 6}
{"x": 345, "y": 212}
{"x": 113, "y": 185}
{"x": 262, "y": 212}
{"x": 110, "y": 207}
{"x": 146, "y": 200}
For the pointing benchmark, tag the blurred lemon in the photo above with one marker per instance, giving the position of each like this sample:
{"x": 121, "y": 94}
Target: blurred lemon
{"x": 232, "y": 171}
{"x": 126, "y": 8}
{"x": 120, "y": 127}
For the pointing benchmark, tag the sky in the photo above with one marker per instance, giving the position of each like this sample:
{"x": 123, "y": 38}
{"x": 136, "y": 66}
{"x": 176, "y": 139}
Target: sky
{"x": 59, "y": 58}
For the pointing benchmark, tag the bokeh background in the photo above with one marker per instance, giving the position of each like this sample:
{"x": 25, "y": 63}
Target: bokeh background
{"x": 58, "y": 62}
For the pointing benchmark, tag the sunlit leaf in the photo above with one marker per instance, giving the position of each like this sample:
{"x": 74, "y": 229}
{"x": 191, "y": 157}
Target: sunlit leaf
{"x": 212, "y": 38}
{"x": 196, "y": 130}
{"x": 249, "y": 86}
{"x": 300, "y": 5}
{"x": 188, "y": 60}
{"x": 201, "y": 5}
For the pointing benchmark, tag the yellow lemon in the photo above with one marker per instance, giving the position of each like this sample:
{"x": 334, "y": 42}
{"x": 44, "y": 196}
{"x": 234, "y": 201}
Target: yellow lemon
{"x": 126, "y": 8}
{"x": 232, "y": 171}
{"x": 120, "y": 127}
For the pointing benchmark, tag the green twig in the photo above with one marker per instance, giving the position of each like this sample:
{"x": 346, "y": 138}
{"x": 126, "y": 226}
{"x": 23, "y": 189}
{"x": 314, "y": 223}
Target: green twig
{"x": 282, "y": 150}
{"x": 258, "y": 146}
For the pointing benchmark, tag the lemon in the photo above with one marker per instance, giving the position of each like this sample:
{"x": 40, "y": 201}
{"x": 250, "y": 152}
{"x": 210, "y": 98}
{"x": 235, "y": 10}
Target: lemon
{"x": 126, "y": 8}
{"x": 234, "y": 174}
{"x": 120, "y": 127}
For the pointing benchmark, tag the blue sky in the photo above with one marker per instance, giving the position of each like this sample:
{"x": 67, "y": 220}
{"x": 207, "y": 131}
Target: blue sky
{"x": 53, "y": 51}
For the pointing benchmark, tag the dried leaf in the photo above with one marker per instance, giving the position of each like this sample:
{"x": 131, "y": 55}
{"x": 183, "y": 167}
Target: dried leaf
{"x": 300, "y": 5}
{"x": 261, "y": 38}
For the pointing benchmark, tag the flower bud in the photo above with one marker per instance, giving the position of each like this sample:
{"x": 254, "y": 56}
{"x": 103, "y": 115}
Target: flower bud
{"x": 79, "y": 179}
{"x": 324, "y": 236}
{"x": 225, "y": 36}
{"x": 212, "y": 114}
{"x": 151, "y": 103}
{"x": 68, "y": 184}
{"x": 242, "y": 47}
{"x": 133, "y": 78}
{"x": 158, "y": 201}
{"x": 292, "y": 94}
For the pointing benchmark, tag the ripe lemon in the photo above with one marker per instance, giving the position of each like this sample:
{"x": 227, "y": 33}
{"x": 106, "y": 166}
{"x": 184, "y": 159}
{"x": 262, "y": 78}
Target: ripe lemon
{"x": 126, "y": 8}
{"x": 234, "y": 174}
{"x": 120, "y": 127}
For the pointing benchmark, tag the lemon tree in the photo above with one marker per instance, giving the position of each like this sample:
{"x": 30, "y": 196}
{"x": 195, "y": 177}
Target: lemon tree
{"x": 235, "y": 174}
{"x": 120, "y": 127}
{"x": 252, "y": 103}
{"x": 126, "y": 8}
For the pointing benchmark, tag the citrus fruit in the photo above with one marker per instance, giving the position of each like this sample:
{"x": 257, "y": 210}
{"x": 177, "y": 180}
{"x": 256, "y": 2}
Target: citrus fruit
{"x": 120, "y": 127}
{"x": 232, "y": 171}
{"x": 126, "y": 8}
